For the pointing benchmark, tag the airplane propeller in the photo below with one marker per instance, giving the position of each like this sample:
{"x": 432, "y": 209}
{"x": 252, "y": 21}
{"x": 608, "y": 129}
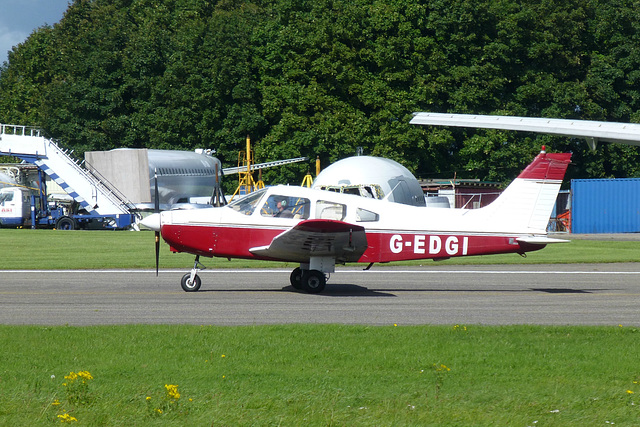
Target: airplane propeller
{"x": 156, "y": 210}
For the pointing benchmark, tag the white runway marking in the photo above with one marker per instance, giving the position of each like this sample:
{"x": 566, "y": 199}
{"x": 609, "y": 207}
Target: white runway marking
{"x": 280, "y": 271}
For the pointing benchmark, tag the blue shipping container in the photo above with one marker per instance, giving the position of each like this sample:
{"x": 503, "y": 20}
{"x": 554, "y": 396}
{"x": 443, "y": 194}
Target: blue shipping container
{"x": 605, "y": 205}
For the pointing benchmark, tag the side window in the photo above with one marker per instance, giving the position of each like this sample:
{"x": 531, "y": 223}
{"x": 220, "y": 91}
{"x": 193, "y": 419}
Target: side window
{"x": 330, "y": 210}
{"x": 363, "y": 215}
{"x": 286, "y": 207}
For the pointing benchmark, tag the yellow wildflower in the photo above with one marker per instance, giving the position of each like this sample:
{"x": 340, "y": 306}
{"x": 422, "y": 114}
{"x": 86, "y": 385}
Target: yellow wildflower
{"x": 629, "y": 391}
{"x": 85, "y": 375}
{"x": 66, "y": 418}
{"x": 172, "y": 391}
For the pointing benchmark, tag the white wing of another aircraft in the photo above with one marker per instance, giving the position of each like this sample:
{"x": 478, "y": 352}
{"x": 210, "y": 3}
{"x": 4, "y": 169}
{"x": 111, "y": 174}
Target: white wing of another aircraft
{"x": 592, "y": 131}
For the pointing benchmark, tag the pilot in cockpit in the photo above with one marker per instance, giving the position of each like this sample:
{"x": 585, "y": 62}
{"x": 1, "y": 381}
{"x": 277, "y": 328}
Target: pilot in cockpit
{"x": 283, "y": 210}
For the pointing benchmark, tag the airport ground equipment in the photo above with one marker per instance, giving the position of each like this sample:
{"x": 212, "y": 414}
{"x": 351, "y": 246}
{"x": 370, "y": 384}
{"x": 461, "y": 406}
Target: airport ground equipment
{"x": 96, "y": 204}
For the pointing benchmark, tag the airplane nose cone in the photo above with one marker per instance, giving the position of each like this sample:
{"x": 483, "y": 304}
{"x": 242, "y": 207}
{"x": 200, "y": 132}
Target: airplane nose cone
{"x": 152, "y": 222}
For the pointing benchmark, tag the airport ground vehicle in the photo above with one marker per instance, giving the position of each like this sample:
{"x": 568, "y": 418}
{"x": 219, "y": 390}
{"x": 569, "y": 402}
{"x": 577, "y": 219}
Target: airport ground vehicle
{"x": 89, "y": 201}
{"x": 20, "y": 208}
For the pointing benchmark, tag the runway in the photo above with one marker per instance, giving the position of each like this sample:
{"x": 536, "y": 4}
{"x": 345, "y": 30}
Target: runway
{"x": 576, "y": 294}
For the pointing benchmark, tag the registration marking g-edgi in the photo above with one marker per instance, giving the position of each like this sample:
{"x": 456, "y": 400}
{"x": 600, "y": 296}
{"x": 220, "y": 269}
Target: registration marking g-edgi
{"x": 433, "y": 245}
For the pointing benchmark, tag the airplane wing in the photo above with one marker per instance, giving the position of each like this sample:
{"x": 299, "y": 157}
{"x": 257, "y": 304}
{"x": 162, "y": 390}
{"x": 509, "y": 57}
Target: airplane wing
{"x": 317, "y": 238}
{"x": 592, "y": 131}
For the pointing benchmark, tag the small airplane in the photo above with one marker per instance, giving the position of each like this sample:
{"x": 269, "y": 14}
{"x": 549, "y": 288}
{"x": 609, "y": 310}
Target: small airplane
{"x": 319, "y": 229}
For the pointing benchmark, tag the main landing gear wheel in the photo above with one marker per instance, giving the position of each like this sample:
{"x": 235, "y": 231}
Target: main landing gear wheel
{"x": 296, "y": 278}
{"x": 189, "y": 285}
{"x": 313, "y": 281}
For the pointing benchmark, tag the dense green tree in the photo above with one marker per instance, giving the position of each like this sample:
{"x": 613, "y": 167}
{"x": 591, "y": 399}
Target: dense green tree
{"x": 324, "y": 77}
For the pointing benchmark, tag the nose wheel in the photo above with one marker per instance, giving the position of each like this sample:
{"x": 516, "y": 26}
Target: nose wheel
{"x": 190, "y": 284}
{"x": 191, "y": 281}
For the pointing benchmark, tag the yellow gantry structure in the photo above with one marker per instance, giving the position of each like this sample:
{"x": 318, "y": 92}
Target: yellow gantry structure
{"x": 308, "y": 179}
{"x": 246, "y": 162}
{"x": 246, "y": 184}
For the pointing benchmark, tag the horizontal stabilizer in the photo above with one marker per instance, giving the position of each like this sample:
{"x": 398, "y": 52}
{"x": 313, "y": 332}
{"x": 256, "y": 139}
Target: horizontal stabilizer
{"x": 541, "y": 240}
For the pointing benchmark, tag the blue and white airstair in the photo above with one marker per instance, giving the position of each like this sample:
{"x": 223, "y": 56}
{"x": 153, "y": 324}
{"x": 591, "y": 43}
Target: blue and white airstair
{"x": 92, "y": 192}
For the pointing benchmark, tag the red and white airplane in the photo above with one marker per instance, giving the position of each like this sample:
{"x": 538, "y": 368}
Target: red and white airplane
{"x": 320, "y": 229}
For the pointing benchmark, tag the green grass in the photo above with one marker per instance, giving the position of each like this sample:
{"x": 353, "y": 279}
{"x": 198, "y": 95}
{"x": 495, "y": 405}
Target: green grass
{"x": 52, "y": 249}
{"x": 322, "y": 375}
{"x": 309, "y": 374}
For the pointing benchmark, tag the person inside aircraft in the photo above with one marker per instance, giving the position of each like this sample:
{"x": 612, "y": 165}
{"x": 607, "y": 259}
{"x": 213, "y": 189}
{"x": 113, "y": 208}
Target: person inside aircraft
{"x": 280, "y": 206}
{"x": 283, "y": 210}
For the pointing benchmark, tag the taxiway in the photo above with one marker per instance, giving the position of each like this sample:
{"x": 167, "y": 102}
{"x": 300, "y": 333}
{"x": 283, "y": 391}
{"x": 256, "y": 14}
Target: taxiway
{"x": 584, "y": 294}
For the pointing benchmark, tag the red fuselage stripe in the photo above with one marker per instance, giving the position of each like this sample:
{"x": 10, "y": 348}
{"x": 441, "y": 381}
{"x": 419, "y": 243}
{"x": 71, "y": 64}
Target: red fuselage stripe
{"x": 235, "y": 242}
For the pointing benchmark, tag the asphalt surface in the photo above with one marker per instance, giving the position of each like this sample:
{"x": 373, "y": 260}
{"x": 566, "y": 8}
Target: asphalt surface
{"x": 581, "y": 294}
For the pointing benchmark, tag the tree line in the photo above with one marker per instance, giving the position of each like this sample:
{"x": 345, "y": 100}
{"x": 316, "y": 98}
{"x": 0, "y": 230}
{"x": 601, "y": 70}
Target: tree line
{"x": 324, "y": 77}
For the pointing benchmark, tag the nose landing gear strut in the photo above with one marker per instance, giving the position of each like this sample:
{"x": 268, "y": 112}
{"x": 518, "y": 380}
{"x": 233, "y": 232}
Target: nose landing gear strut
{"x": 191, "y": 281}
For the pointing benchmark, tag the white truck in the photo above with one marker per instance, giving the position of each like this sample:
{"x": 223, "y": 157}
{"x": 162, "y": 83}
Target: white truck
{"x": 15, "y": 206}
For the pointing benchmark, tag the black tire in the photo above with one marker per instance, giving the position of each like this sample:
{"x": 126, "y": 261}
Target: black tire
{"x": 296, "y": 278}
{"x": 66, "y": 223}
{"x": 313, "y": 281}
{"x": 190, "y": 287}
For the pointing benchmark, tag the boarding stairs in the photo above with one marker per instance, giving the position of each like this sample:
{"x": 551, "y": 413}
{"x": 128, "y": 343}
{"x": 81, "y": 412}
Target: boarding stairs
{"x": 92, "y": 192}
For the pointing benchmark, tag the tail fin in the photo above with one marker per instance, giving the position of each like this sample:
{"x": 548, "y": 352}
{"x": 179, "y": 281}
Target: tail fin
{"x": 525, "y": 205}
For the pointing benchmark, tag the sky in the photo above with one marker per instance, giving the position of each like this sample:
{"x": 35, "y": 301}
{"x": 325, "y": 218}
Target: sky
{"x": 18, "y": 19}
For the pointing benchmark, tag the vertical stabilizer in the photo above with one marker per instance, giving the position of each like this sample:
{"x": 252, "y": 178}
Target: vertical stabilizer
{"x": 526, "y": 204}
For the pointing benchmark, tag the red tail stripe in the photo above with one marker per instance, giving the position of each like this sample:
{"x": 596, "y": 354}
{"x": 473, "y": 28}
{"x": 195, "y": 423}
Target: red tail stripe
{"x": 547, "y": 166}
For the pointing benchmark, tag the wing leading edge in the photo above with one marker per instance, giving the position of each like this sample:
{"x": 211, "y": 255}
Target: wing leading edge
{"x": 592, "y": 131}
{"x": 316, "y": 238}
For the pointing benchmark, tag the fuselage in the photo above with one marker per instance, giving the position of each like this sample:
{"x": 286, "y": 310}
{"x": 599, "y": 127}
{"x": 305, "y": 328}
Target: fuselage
{"x": 394, "y": 232}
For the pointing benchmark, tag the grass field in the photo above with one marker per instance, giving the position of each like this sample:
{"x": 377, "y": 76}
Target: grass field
{"x": 321, "y": 375}
{"x": 52, "y": 249}
{"x": 317, "y": 375}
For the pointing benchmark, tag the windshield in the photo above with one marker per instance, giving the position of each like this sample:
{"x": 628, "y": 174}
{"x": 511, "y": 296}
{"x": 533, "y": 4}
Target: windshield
{"x": 6, "y": 197}
{"x": 247, "y": 204}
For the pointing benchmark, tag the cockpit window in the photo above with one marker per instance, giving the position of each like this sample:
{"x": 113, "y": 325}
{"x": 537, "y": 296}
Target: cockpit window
{"x": 286, "y": 207}
{"x": 6, "y": 197}
{"x": 363, "y": 215}
{"x": 247, "y": 204}
{"x": 330, "y": 210}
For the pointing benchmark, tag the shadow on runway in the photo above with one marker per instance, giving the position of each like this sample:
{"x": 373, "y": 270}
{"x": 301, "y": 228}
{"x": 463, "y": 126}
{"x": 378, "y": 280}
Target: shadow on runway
{"x": 563, "y": 290}
{"x": 350, "y": 290}
{"x": 344, "y": 290}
